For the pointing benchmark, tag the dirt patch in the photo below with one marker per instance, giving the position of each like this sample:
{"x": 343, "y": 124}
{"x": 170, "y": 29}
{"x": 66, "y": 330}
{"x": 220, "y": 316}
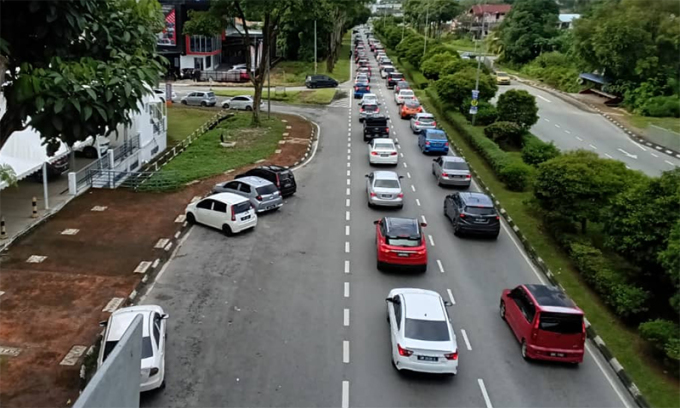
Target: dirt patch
{"x": 49, "y": 307}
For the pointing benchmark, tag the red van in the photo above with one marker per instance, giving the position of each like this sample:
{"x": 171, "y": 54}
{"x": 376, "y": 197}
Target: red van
{"x": 546, "y": 322}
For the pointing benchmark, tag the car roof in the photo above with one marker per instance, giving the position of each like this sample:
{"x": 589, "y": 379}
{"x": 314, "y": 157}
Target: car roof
{"x": 273, "y": 167}
{"x": 453, "y": 159}
{"x": 426, "y": 115}
{"x": 552, "y": 299}
{"x": 473, "y": 198}
{"x": 228, "y": 198}
{"x": 385, "y": 140}
{"x": 244, "y": 96}
{"x": 255, "y": 181}
{"x": 370, "y": 95}
{"x": 434, "y": 131}
{"x": 411, "y": 103}
{"x": 423, "y": 305}
{"x": 397, "y": 226}
{"x": 121, "y": 319}
{"x": 385, "y": 175}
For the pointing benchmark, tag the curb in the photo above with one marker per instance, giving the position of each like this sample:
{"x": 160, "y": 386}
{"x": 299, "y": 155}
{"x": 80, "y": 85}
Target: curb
{"x": 625, "y": 379}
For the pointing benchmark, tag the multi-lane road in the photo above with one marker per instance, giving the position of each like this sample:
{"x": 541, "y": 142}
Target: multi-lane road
{"x": 293, "y": 313}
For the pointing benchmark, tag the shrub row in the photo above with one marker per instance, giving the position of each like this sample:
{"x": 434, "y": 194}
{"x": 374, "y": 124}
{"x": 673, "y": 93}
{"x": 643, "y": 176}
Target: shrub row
{"x": 664, "y": 336}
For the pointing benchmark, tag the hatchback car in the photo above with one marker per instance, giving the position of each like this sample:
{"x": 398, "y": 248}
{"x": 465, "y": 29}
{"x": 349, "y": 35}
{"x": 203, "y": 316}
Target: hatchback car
{"x": 451, "y": 171}
{"x": 399, "y": 96}
{"x": 282, "y": 178}
{"x": 383, "y": 188}
{"x": 472, "y": 213}
{"x": 361, "y": 88}
{"x": 410, "y": 108}
{"x": 262, "y": 193}
{"x": 200, "y": 99}
{"x": 153, "y": 341}
{"x": 368, "y": 109}
{"x": 369, "y": 98}
{"x": 320, "y": 81}
{"x": 384, "y": 71}
{"x": 383, "y": 151}
{"x": 393, "y": 78}
{"x": 433, "y": 141}
{"x": 400, "y": 242}
{"x": 421, "y": 332}
{"x": 547, "y": 324}
{"x": 422, "y": 121}
{"x": 401, "y": 85}
{"x": 228, "y": 212}
{"x": 502, "y": 78}
{"x": 241, "y": 102}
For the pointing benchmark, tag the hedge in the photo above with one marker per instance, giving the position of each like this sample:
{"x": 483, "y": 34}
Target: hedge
{"x": 536, "y": 151}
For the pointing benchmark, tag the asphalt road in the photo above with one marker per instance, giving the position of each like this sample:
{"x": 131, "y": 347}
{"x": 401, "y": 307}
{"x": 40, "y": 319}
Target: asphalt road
{"x": 293, "y": 313}
{"x": 573, "y": 128}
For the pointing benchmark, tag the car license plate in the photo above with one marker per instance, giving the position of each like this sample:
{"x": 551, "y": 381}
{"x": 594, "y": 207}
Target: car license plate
{"x": 384, "y": 155}
{"x": 385, "y": 196}
{"x": 427, "y": 358}
{"x": 270, "y": 207}
{"x": 247, "y": 217}
{"x": 402, "y": 254}
{"x": 557, "y": 354}
{"x": 480, "y": 221}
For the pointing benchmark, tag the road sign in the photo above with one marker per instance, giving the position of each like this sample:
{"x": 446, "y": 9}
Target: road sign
{"x": 475, "y": 94}
{"x": 474, "y": 102}
{"x": 473, "y": 110}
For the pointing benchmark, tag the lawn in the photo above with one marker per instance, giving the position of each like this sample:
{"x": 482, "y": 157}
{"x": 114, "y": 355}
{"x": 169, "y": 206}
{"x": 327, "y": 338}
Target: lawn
{"x": 643, "y": 122}
{"x": 315, "y": 97}
{"x": 183, "y": 120}
{"x": 205, "y": 157}
{"x": 659, "y": 389}
{"x": 293, "y": 73}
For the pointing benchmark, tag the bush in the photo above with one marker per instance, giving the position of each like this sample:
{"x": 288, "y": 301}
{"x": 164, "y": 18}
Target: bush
{"x": 661, "y": 107}
{"x": 536, "y": 151}
{"x": 486, "y": 112}
{"x": 505, "y": 132}
{"x": 555, "y": 69}
{"x": 664, "y": 335}
{"x": 454, "y": 89}
{"x": 516, "y": 175}
{"x": 518, "y": 106}
{"x": 432, "y": 66}
{"x": 460, "y": 64}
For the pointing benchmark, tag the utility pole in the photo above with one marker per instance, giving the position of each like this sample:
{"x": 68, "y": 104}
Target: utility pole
{"x": 315, "y": 59}
{"x": 269, "y": 86}
{"x": 479, "y": 60}
{"x": 427, "y": 18}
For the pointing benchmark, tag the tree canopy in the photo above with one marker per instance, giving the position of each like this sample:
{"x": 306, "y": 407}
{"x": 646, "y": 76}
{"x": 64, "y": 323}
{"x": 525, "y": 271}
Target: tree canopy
{"x": 519, "y": 106}
{"x": 527, "y": 29}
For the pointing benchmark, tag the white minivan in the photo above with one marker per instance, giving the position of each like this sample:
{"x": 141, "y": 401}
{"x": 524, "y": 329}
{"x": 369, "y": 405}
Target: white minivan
{"x": 228, "y": 212}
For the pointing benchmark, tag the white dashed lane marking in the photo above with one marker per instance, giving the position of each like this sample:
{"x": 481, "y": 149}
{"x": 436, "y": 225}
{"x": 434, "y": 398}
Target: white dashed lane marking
{"x": 431, "y": 240}
{"x": 579, "y": 139}
{"x": 345, "y": 318}
{"x": 413, "y": 188}
{"x": 346, "y": 289}
{"x": 347, "y": 266}
{"x": 408, "y": 174}
{"x": 467, "y": 342}
{"x": 347, "y": 230}
{"x": 592, "y": 147}
{"x": 453, "y": 301}
{"x": 424, "y": 220}
{"x": 346, "y": 247}
{"x": 441, "y": 267}
{"x": 345, "y": 352}
{"x": 418, "y": 202}
{"x": 608, "y": 156}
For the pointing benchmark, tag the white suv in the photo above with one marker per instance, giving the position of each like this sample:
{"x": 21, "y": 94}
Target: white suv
{"x": 420, "y": 332}
{"x": 229, "y": 212}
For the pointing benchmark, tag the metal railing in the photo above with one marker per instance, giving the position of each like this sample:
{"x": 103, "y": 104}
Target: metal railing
{"x": 135, "y": 180}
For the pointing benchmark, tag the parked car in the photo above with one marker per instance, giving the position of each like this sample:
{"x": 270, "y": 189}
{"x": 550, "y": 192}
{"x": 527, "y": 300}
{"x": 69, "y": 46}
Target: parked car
{"x": 262, "y": 193}
{"x": 200, "y": 98}
{"x": 161, "y": 94}
{"x": 228, "y": 212}
{"x": 422, "y": 121}
{"x": 451, "y": 171}
{"x": 468, "y": 55}
{"x": 90, "y": 145}
{"x": 283, "y": 178}
{"x": 421, "y": 332}
{"x": 471, "y": 212}
{"x": 55, "y": 168}
{"x": 383, "y": 151}
{"x": 320, "y": 81}
{"x": 375, "y": 127}
{"x": 502, "y": 78}
{"x": 393, "y": 78}
{"x": 547, "y": 324}
{"x": 410, "y": 108}
{"x": 241, "y": 102}
{"x": 399, "y": 96}
{"x": 401, "y": 242}
{"x": 383, "y": 188}
{"x": 368, "y": 109}
{"x": 152, "y": 365}
{"x": 384, "y": 71}
{"x": 433, "y": 141}
{"x": 360, "y": 89}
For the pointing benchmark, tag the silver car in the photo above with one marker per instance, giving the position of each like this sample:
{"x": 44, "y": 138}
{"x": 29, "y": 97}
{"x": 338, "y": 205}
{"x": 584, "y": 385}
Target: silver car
{"x": 241, "y": 102}
{"x": 384, "y": 188}
{"x": 200, "y": 98}
{"x": 451, "y": 171}
{"x": 263, "y": 194}
{"x": 368, "y": 110}
{"x": 422, "y": 121}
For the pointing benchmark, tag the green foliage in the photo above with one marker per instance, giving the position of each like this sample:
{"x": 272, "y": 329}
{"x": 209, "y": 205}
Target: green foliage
{"x": 661, "y": 106}
{"x": 664, "y": 335}
{"x": 555, "y": 69}
{"x": 441, "y": 49}
{"x": 669, "y": 259}
{"x": 454, "y": 89}
{"x": 202, "y": 23}
{"x": 411, "y": 49}
{"x": 517, "y": 175}
{"x": 432, "y": 66}
{"x": 527, "y": 29}
{"x": 504, "y": 132}
{"x": 536, "y": 151}
{"x": 518, "y": 106}
{"x": 486, "y": 113}
{"x": 460, "y": 64}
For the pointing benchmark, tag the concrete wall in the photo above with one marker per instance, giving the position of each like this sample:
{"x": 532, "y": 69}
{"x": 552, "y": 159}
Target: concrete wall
{"x": 116, "y": 383}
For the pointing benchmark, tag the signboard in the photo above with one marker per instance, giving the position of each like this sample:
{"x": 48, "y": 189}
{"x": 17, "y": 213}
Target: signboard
{"x": 168, "y": 37}
{"x": 475, "y": 94}
{"x": 474, "y": 102}
{"x": 473, "y": 110}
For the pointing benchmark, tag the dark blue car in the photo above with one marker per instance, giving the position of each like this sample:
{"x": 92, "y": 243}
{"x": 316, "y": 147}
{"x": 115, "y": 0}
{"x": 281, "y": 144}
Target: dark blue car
{"x": 433, "y": 141}
{"x": 360, "y": 89}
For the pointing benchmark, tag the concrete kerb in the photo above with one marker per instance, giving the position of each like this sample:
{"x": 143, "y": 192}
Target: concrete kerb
{"x": 625, "y": 379}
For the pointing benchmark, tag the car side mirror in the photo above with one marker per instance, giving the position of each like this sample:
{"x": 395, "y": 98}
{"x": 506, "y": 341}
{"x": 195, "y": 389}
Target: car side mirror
{"x": 367, "y": 176}
{"x": 376, "y": 222}
{"x": 447, "y": 303}
{"x": 434, "y": 160}
{"x": 401, "y": 177}
{"x": 389, "y": 300}
{"x": 165, "y": 316}
{"x": 103, "y": 323}
{"x": 423, "y": 224}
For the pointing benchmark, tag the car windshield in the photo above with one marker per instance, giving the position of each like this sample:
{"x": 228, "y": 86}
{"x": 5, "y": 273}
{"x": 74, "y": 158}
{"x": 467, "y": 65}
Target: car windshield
{"x": 501, "y": 74}
{"x": 563, "y": 323}
{"x": 386, "y": 183}
{"x": 455, "y": 165}
{"x": 387, "y": 146}
{"x": 480, "y": 210}
{"x": 412, "y": 104}
{"x": 427, "y": 330}
{"x": 406, "y": 93}
{"x": 241, "y": 207}
{"x": 266, "y": 189}
{"x": 408, "y": 242}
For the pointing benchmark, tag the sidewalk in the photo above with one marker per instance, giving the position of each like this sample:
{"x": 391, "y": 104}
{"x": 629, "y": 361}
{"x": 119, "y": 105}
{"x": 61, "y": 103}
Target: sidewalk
{"x": 68, "y": 274}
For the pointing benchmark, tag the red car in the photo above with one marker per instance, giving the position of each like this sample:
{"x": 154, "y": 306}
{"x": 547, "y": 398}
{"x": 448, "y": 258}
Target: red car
{"x": 546, "y": 322}
{"x": 401, "y": 242}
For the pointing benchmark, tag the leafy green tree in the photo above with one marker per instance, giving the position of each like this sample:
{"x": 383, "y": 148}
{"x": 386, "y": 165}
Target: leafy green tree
{"x": 76, "y": 68}
{"x": 454, "y": 89}
{"x": 579, "y": 185}
{"x": 439, "y": 48}
{"x": 527, "y": 28}
{"x": 432, "y": 67}
{"x": 519, "y": 106}
{"x": 458, "y": 64}
{"x": 670, "y": 261}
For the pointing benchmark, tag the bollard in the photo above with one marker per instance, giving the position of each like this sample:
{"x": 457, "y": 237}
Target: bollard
{"x": 35, "y": 208}
{"x": 3, "y": 231}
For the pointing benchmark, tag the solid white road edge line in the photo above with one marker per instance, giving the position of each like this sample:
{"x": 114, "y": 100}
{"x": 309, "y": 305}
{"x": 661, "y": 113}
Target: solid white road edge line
{"x": 346, "y": 289}
{"x": 487, "y": 401}
{"x": 345, "y": 351}
{"x": 345, "y": 394}
{"x": 453, "y": 301}
{"x": 316, "y": 145}
{"x": 345, "y": 318}
{"x": 441, "y": 267}
{"x": 467, "y": 342}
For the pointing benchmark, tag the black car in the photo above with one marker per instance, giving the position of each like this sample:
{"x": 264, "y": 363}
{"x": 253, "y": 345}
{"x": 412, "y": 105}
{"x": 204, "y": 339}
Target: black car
{"x": 472, "y": 213}
{"x": 55, "y": 168}
{"x": 393, "y": 78}
{"x": 320, "y": 81}
{"x": 282, "y": 178}
{"x": 376, "y": 126}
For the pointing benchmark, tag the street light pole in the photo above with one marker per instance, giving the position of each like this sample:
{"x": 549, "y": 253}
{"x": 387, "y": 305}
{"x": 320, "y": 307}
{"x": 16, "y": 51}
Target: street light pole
{"x": 479, "y": 63}
{"x": 269, "y": 86}
{"x": 315, "y": 60}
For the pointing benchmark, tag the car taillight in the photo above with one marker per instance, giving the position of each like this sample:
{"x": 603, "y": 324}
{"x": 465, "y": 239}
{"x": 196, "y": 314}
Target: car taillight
{"x": 434, "y": 123}
{"x": 403, "y": 352}
{"x": 373, "y": 194}
{"x": 374, "y": 153}
{"x": 446, "y": 144}
{"x": 393, "y": 154}
{"x": 498, "y": 218}
{"x": 387, "y": 130}
{"x": 233, "y": 214}
{"x": 153, "y": 372}
{"x": 583, "y": 332}
{"x": 534, "y": 331}
{"x": 445, "y": 174}
{"x": 258, "y": 198}
{"x": 356, "y": 88}
{"x": 278, "y": 181}
{"x": 417, "y": 123}
{"x": 362, "y": 110}
{"x": 452, "y": 356}
{"x": 462, "y": 215}
{"x": 400, "y": 195}
{"x": 368, "y": 88}
{"x": 427, "y": 142}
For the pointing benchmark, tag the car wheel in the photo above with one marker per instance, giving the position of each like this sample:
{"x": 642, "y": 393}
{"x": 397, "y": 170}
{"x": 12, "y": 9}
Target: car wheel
{"x": 423, "y": 269}
{"x": 184, "y": 102}
{"x": 399, "y": 207}
{"x": 191, "y": 219}
{"x": 439, "y": 181}
{"x": 494, "y": 237}
{"x": 226, "y": 106}
{"x": 456, "y": 230}
{"x": 162, "y": 387}
{"x": 90, "y": 152}
{"x": 227, "y": 230}
{"x": 502, "y": 310}
{"x": 204, "y": 104}
{"x": 249, "y": 108}
{"x": 524, "y": 350}
{"x": 379, "y": 265}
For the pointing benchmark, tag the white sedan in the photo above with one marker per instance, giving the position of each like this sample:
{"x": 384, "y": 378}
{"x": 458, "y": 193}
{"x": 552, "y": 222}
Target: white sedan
{"x": 382, "y": 151}
{"x": 241, "y": 102}
{"x": 400, "y": 96}
{"x": 420, "y": 332}
{"x": 369, "y": 99}
{"x": 153, "y": 341}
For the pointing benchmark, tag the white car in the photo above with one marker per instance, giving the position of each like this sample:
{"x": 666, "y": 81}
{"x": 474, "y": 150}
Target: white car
{"x": 161, "y": 94}
{"x": 228, "y": 212}
{"x": 369, "y": 99}
{"x": 403, "y": 94}
{"x": 241, "y": 102}
{"x": 382, "y": 151}
{"x": 91, "y": 147}
{"x": 153, "y": 341}
{"x": 386, "y": 70}
{"x": 420, "y": 332}
{"x": 362, "y": 78}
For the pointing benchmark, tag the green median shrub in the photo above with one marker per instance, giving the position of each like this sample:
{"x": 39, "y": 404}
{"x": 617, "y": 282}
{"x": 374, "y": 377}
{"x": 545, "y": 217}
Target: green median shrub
{"x": 517, "y": 175}
{"x": 505, "y": 132}
{"x": 536, "y": 151}
{"x": 486, "y": 112}
{"x": 664, "y": 335}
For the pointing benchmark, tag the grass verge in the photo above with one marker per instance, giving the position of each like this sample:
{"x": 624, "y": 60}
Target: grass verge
{"x": 293, "y": 73}
{"x": 643, "y": 122}
{"x": 659, "y": 389}
{"x": 183, "y": 120}
{"x": 313, "y": 97}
